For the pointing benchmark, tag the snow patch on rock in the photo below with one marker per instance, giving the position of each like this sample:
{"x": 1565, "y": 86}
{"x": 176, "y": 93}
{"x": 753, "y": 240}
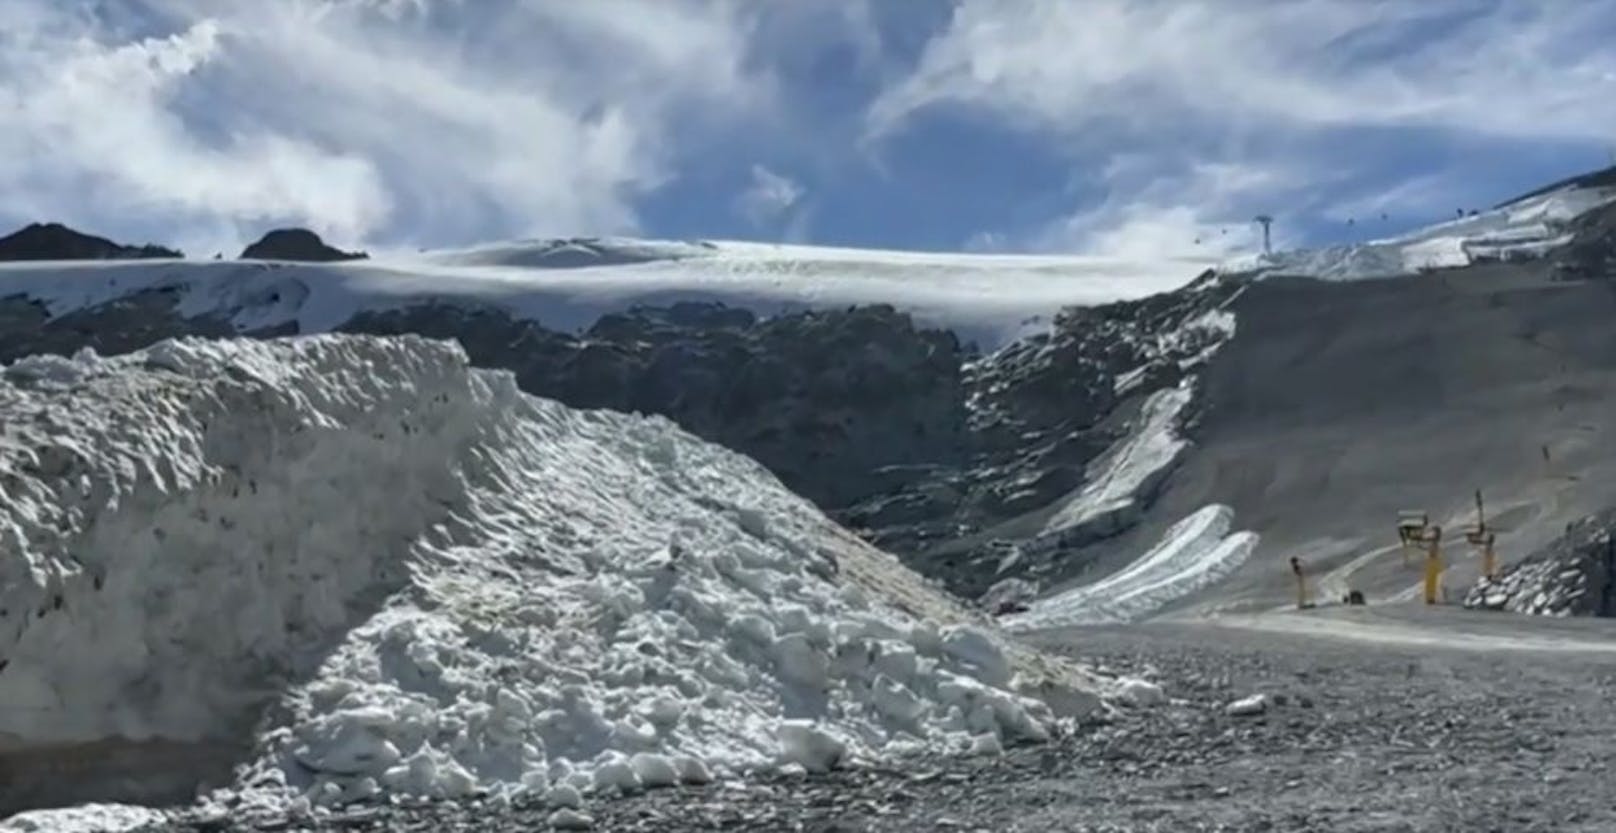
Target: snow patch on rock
{"x": 1195, "y": 553}
{"x": 1125, "y": 477}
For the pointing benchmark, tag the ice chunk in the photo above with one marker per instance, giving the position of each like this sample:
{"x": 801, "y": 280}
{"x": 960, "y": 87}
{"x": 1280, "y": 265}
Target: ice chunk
{"x": 616, "y": 776}
{"x": 986, "y": 744}
{"x": 809, "y": 746}
{"x": 654, "y": 770}
{"x": 570, "y": 819}
{"x": 975, "y": 648}
{"x": 1248, "y": 706}
{"x": 1141, "y": 693}
{"x": 564, "y": 795}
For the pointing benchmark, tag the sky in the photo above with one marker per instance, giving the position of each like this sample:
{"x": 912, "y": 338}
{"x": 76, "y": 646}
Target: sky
{"x": 1105, "y": 127}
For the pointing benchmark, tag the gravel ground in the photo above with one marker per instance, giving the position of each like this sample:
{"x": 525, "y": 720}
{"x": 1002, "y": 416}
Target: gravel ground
{"x": 1357, "y": 738}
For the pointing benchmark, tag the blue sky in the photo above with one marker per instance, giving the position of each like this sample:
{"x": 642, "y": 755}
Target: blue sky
{"x": 1098, "y": 126}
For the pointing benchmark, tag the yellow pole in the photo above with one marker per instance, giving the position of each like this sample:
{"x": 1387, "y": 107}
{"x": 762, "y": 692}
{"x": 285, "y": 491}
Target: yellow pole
{"x": 1433, "y": 565}
{"x": 1301, "y": 583}
{"x": 1489, "y": 560}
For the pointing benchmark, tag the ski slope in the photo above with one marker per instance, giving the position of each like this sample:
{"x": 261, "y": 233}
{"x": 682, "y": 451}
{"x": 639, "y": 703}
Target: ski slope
{"x": 1523, "y": 229}
{"x": 568, "y": 285}
{"x": 450, "y": 586}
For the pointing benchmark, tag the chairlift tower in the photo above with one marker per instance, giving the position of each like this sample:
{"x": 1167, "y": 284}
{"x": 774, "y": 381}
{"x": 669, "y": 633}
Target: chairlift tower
{"x": 1267, "y": 241}
{"x": 1482, "y": 537}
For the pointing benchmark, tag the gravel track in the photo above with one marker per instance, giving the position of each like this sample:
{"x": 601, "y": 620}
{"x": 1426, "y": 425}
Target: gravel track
{"x": 1360, "y": 738}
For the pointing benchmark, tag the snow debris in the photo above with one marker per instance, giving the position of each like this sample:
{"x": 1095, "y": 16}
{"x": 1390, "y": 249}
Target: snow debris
{"x": 1247, "y": 706}
{"x": 85, "y": 818}
{"x": 810, "y": 747}
{"x": 987, "y": 745}
{"x": 570, "y": 819}
{"x": 479, "y": 590}
{"x": 564, "y": 795}
{"x": 1140, "y": 693}
{"x": 1195, "y": 553}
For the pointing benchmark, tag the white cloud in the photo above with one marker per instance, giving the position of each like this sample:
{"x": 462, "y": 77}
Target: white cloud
{"x": 437, "y": 119}
{"x": 1528, "y": 69}
{"x": 1202, "y": 214}
{"x": 769, "y": 196}
{"x": 1183, "y": 119}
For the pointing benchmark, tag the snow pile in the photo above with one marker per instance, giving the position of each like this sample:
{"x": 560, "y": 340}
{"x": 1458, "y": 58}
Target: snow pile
{"x": 1523, "y": 229}
{"x": 85, "y": 818}
{"x": 1195, "y": 553}
{"x": 567, "y": 285}
{"x": 451, "y": 585}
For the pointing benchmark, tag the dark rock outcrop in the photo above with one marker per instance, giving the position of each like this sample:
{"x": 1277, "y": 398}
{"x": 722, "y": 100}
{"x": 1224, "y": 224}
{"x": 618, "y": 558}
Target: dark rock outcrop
{"x": 1573, "y": 576}
{"x": 1591, "y": 254}
{"x": 1041, "y": 411}
{"x": 54, "y": 241}
{"x": 821, "y": 398}
{"x": 296, "y": 244}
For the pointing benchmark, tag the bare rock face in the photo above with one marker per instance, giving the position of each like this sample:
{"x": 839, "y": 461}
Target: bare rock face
{"x": 54, "y": 241}
{"x": 297, "y": 244}
{"x": 819, "y": 398}
{"x": 1573, "y": 576}
{"x": 1039, "y": 412}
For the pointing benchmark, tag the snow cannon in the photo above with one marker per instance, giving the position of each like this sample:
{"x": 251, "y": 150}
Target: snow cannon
{"x": 1412, "y": 527}
{"x": 1433, "y": 564}
{"x": 1301, "y": 584}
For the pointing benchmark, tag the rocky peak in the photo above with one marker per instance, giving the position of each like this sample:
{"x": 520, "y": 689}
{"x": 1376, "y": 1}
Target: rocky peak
{"x": 297, "y": 244}
{"x": 54, "y": 241}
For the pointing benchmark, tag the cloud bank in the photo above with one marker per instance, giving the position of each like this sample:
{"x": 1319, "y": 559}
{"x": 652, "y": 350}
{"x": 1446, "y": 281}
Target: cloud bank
{"x": 1153, "y": 124}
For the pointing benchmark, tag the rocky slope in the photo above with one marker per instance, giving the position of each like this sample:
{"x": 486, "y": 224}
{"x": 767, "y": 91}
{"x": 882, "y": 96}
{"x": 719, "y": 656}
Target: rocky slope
{"x": 1573, "y": 576}
{"x": 896, "y": 430}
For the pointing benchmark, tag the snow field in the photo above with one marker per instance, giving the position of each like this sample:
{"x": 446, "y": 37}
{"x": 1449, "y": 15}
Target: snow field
{"x": 447, "y": 585}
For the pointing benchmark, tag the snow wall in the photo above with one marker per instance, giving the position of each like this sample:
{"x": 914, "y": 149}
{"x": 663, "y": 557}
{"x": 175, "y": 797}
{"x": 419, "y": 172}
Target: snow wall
{"x": 439, "y": 585}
